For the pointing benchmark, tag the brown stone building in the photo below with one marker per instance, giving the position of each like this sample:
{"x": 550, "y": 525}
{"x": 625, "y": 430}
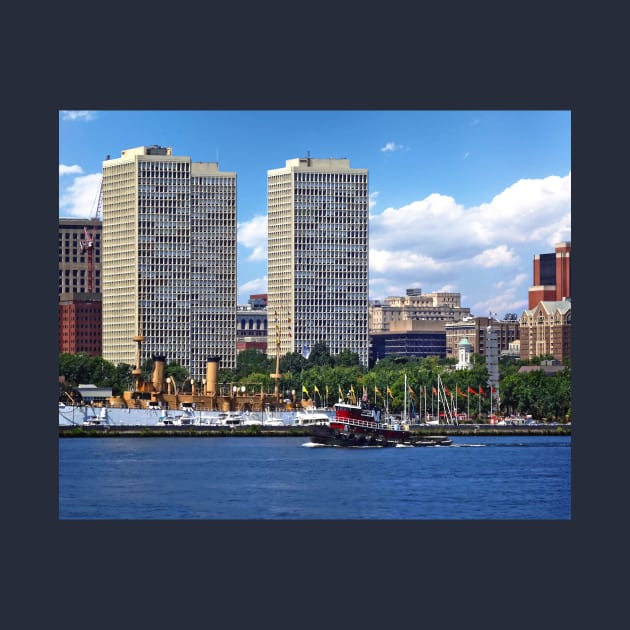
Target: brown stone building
{"x": 546, "y": 330}
{"x": 474, "y": 330}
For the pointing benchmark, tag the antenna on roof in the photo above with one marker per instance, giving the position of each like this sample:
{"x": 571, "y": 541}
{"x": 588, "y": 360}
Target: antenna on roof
{"x": 308, "y": 157}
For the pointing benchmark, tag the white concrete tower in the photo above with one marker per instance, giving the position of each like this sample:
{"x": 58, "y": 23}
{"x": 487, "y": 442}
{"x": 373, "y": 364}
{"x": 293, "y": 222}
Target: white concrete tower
{"x": 318, "y": 214}
{"x": 168, "y": 259}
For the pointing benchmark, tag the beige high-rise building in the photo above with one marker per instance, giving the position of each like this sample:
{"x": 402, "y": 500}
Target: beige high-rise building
{"x": 168, "y": 259}
{"x": 318, "y": 215}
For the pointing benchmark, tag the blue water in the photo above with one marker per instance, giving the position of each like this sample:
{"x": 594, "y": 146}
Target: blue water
{"x": 285, "y": 478}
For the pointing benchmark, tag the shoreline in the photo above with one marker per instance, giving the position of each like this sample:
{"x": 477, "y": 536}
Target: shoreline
{"x": 291, "y": 431}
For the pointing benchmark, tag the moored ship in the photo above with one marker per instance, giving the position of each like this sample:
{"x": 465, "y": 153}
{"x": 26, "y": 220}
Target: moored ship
{"x": 158, "y": 402}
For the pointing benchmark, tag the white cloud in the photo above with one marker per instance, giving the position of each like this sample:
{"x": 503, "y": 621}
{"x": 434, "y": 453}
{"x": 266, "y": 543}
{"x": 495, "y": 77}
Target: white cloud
{"x": 81, "y": 197}
{"x": 252, "y": 234}
{"x": 251, "y": 287}
{"x": 75, "y": 169}
{"x": 391, "y": 147}
{"x": 372, "y": 200}
{"x": 500, "y": 256}
{"x": 78, "y": 115}
{"x": 484, "y": 250}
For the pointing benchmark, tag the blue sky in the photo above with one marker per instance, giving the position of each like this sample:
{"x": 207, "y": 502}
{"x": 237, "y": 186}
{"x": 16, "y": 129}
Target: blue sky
{"x": 459, "y": 200}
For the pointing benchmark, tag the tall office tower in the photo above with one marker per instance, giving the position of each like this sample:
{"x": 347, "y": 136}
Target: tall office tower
{"x": 552, "y": 276}
{"x": 318, "y": 257}
{"x": 169, "y": 259}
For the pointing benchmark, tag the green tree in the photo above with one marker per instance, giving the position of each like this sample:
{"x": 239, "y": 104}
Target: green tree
{"x": 292, "y": 362}
{"x": 320, "y": 355}
{"x": 252, "y": 361}
{"x": 346, "y": 358}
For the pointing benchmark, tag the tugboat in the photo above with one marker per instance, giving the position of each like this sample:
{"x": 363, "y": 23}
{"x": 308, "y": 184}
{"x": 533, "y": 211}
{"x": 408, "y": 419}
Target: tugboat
{"x": 358, "y": 424}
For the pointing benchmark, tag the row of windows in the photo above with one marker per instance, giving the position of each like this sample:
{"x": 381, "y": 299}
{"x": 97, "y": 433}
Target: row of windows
{"x": 168, "y": 166}
{"x": 330, "y": 177}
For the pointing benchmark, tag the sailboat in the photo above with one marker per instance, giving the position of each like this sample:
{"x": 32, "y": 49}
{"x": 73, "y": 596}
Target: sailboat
{"x": 449, "y": 413}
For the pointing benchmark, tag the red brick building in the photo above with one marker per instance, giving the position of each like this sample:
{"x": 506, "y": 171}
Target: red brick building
{"x": 552, "y": 276}
{"x": 80, "y": 318}
{"x": 80, "y": 300}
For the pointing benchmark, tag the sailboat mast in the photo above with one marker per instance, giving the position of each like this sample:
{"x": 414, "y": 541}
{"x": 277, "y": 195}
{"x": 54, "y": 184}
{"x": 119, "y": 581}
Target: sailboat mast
{"x": 438, "y": 398}
{"x": 404, "y": 418}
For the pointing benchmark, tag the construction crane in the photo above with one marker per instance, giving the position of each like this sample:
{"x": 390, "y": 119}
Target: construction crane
{"x": 87, "y": 243}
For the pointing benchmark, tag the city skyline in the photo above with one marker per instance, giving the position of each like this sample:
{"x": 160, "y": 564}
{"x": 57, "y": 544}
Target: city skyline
{"x": 460, "y": 201}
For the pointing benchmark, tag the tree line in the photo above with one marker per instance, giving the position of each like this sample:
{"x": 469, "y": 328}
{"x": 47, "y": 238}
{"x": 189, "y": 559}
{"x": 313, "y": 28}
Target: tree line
{"x": 323, "y": 378}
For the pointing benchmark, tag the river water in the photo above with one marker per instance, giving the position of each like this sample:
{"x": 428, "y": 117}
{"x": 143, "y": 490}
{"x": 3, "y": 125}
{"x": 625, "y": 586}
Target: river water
{"x": 286, "y": 478}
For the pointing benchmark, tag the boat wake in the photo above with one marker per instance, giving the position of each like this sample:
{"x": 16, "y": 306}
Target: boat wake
{"x": 467, "y": 445}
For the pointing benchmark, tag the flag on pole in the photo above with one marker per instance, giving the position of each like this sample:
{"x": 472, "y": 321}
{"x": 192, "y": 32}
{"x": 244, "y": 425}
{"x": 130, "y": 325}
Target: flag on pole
{"x": 304, "y": 389}
{"x": 481, "y": 390}
{"x": 389, "y": 391}
{"x": 412, "y": 392}
{"x": 460, "y": 392}
{"x": 494, "y": 391}
{"x": 315, "y": 389}
{"x": 471, "y": 390}
{"x": 364, "y": 397}
{"x": 376, "y": 390}
{"x": 446, "y": 391}
{"x": 434, "y": 391}
{"x": 340, "y": 392}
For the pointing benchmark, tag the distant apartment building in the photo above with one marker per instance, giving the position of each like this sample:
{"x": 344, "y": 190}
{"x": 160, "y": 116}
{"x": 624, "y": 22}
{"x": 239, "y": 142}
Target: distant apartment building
{"x": 80, "y": 306}
{"x": 251, "y": 324}
{"x": 437, "y": 307}
{"x": 318, "y": 256}
{"x": 552, "y": 276}
{"x": 475, "y": 331}
{"x": 168, "y": 259}
{"x": 546, "y": 330}
{"x": 513, "y": 350}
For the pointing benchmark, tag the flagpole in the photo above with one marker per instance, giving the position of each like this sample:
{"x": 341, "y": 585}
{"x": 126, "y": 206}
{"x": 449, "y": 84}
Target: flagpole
{"x": 468, "y": 402}
{"x": 425, "y": 403}
{"x": 479, "y": 397}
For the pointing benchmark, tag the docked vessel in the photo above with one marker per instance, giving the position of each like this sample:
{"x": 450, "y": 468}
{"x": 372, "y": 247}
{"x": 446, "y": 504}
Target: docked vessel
{"x": 311, "y": 416}
{"x": 158, "y": 402}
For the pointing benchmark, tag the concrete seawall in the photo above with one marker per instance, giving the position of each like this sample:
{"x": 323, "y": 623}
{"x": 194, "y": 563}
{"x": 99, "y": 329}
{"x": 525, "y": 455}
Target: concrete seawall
{"x": 291, "y": 431}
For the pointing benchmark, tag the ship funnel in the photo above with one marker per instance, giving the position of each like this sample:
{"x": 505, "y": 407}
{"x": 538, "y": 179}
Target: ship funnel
{"x": 158, "y": 378}
{"x": 212, "y": 375}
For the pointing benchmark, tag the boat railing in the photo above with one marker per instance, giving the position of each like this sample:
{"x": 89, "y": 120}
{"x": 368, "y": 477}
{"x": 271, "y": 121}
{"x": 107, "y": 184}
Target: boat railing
{"x": 366, "y": 424}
